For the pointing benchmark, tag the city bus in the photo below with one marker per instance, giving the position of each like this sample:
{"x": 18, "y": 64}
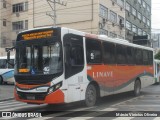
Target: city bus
{"x": 6, "y": 70}
{"x": 157, "y": 71}
{"x": 60, "y": 65}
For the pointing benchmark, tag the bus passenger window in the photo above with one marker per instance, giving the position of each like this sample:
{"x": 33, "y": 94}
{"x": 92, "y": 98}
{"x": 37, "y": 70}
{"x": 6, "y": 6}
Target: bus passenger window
{"x": 109, "y": 53}
{"x": 130, "y": 55}
{"x": 121, "y": 54}
{"x": 139, "y": 56}
{"x": 94, "y": 53}
{"x": 150, "y": 57}
{"x": 145, "y": 57}
{"x": 76, "y": 55}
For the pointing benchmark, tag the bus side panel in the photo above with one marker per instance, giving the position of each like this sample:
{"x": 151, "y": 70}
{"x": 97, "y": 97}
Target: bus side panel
{"x": 120, "y": 78}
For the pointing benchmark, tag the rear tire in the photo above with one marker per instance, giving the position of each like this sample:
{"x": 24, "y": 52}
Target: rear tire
{"x": 137, "y": 88}
{"x": 91, "y": 95}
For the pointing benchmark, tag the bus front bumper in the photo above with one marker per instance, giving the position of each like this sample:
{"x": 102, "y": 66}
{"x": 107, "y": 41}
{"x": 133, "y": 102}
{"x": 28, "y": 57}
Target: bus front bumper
{"x": 55, "y": 97}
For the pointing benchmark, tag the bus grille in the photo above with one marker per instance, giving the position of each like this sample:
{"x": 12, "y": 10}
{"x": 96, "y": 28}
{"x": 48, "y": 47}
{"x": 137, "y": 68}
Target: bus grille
{"x": 32, "y": 96}
{"x": 31, "y": 80}
{"x": 35, "y": 79}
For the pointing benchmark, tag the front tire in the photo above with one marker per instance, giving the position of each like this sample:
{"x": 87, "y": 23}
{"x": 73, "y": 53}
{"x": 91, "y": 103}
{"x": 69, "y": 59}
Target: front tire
{"x": 1, "y": 80}
{"x": 137, "y": 88}
{"x": 91, "y": 95}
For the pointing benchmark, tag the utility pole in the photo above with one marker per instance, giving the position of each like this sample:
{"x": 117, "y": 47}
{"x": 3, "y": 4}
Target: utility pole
{"x": 52, "y": 4}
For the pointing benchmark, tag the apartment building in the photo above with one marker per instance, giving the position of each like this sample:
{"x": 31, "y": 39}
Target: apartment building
{"x": 138, "y": 20}
{"x": 93, "y": 16}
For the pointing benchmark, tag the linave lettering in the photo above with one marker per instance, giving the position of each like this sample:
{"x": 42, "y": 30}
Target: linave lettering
{"x": 102, "y": 74}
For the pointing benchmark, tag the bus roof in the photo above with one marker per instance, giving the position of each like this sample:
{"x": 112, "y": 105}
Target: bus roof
{"x": 101, "y": 37}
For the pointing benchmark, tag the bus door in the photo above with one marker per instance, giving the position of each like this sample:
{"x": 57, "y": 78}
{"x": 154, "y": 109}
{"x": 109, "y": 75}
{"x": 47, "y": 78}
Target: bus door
{"x": 74, "y": 64}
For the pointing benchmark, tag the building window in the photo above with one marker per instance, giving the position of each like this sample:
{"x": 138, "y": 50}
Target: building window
{"x": 139, "y": 16}
{"x": 121, "y": 21}
{"x": 148, "y": 22}
{"x": 128, "y": 25}
{"x": 4, "y": 4}
{"x": 20, "y": 7}
{"x": 144, "y": 33}
{"x": 134, "y": 28}
{"x": 139, "y": 31}
{"x": 103, "y": 11}
{"x": 140, "y": 2}
{"x": 134, "y": 11}
{"x": 144, "y": 19}
{"x": 4, "y": 22}
{"x": 4, "y": 39}
{"x": 26, "y": 6}
{"x": 113, "y": 16}
{"x": 17, "y": 25}
{"x": 26, "y": 24}
{"x": 148, "y": 8}
{"x": 103, "y": 32}
{"x": 128, "y": 7}
{"x": 113, "y": 35}
{"x": 121, "y": 2}
{"x": 144, "y": 4}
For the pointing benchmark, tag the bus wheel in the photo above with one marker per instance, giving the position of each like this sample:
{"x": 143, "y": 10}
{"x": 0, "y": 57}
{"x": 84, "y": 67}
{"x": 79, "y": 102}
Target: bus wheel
{"x": 1, "y": 80}
{"x": 137, "y": 87}
{"x": 91, "y": 95}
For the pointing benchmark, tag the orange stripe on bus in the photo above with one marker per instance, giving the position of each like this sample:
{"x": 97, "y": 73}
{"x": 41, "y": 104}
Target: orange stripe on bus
{"x": 116, "y": 75}
{"x": 53, "y": 98}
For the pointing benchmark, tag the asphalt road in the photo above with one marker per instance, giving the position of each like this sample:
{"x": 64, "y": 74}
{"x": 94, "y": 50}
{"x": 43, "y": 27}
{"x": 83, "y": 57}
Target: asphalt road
{"x": 115, "y": 107}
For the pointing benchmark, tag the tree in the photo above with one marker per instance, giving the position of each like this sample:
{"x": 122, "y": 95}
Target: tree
{"x": 157, "y": 56}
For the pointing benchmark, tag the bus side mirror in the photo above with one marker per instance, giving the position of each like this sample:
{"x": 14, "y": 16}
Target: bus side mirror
{"x": 8, "y": 56}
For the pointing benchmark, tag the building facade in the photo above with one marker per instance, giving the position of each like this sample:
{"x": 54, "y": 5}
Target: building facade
{"x": 138, "y": 19}
{"x": 115, "y": 18}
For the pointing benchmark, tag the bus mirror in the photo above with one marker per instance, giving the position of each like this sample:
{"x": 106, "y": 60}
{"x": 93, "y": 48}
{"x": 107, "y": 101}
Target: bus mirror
{"x": 8, "y": 56}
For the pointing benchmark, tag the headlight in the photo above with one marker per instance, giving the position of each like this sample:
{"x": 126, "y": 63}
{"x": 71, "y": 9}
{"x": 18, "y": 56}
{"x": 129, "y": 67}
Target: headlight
{"x": 54, "y": 87}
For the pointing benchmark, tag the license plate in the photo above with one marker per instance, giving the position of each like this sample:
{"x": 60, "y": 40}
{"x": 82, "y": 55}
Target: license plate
{"x": 30, "y": 97}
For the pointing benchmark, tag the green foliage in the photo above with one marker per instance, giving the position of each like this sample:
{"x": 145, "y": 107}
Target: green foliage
{"x": 157, "y": 56}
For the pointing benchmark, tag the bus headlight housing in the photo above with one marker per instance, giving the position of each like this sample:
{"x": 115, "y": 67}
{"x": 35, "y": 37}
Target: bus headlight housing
{"x": 54, "y": 87}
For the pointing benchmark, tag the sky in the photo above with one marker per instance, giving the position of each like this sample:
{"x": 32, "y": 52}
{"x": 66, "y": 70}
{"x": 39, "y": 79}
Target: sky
{"x": 155, "y": 16}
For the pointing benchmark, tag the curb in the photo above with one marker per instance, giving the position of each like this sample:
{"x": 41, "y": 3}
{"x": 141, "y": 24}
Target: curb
{"x": 7, "y": 99}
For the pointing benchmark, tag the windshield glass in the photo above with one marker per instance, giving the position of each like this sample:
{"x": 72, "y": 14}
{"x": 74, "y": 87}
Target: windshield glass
{"x": 39, "y": 59}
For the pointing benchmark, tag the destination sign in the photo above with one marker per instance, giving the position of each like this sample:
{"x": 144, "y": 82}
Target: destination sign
{"x": 38, "y": 35}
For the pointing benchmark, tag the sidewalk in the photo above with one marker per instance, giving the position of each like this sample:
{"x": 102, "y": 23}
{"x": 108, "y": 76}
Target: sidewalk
{"x": 6, "y": 92}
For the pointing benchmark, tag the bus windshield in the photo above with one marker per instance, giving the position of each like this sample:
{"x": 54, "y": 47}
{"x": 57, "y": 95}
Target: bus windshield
{"x": 39, "y": 59}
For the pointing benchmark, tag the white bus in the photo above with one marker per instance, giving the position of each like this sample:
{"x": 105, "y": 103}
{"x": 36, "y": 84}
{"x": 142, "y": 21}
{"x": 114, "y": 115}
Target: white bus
{"x": 157, "y": 71}
{"x": 6, "y": 70}
{"x": 61, "y": 65}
